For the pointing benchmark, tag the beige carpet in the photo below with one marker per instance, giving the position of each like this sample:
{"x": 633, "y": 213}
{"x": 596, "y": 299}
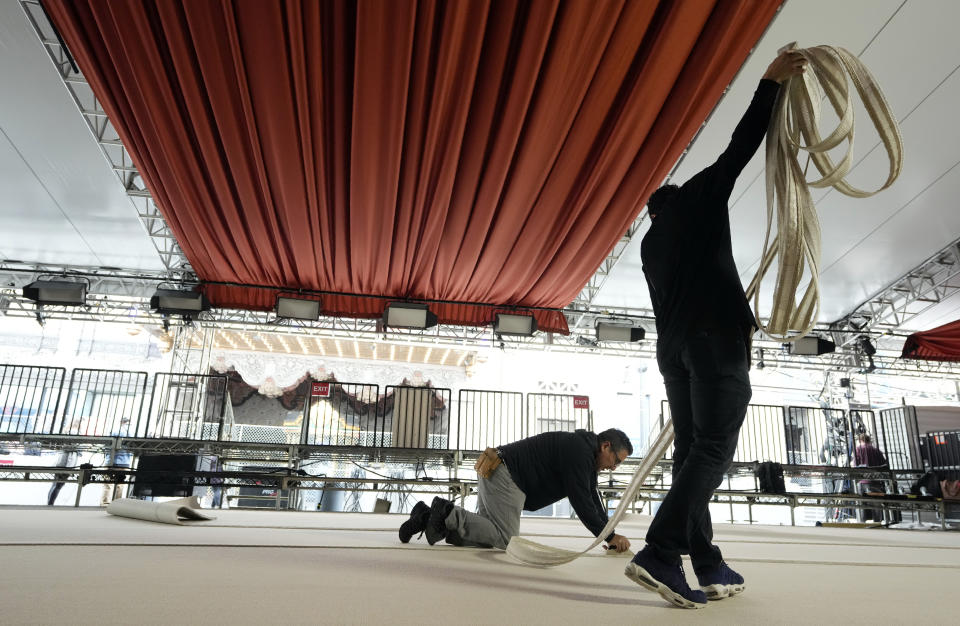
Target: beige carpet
{"x": 86, "y": 567}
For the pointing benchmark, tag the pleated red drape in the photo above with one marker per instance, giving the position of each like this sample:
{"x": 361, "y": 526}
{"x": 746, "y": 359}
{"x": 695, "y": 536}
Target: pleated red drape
{"x": 469, "y": 151}
{"x": 938, "y": 344}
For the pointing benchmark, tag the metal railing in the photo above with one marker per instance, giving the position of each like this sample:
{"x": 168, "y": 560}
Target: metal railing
{"x": 762, "y": 435}
{"x": 187, "y": 406}
{"x": 414, "y": 417}
{"x": 553, "y": 411}
{"x": 821, "y": 436}
{"x": 341, "y": 414}
{"x": 943, "y": 453}
{"x": 898, "y": 438}
{"x": 488, "y": 418}
{"x": 194, "y": 407}
{"x": 103, "y": 403}
{"x": 30, "y": 398}
{"x": 817, "y": 436}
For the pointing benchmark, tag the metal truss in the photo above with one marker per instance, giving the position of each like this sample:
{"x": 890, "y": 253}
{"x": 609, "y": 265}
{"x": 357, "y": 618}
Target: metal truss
{"x": 585, "y": 299}
{"x": 109, "y": 141}
{"x": 133, "y": 307}
{"x": 928, "y": 284}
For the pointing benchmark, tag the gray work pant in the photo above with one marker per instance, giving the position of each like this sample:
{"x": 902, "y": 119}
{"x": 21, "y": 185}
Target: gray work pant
{"x": 497, "y": 519}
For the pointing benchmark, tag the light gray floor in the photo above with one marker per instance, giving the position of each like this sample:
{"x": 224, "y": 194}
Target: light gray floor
{"x": 85, "y": 567}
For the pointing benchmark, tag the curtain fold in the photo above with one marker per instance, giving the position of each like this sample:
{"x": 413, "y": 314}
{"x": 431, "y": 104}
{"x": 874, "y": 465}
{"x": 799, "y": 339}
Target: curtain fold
{"x": 938, "y": 344}
{"x": 474, "y": 151}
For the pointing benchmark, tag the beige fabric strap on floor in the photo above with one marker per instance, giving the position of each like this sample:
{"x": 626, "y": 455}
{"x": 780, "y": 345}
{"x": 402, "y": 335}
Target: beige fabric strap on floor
{"x": 796, "y": 117}
{"x": 533, "y": 553}
{"x": 169, "y": 512}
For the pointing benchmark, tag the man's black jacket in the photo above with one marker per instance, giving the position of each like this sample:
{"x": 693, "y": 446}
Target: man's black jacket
{"x": 687, "y": 255}
{"x": 556, "y": 465}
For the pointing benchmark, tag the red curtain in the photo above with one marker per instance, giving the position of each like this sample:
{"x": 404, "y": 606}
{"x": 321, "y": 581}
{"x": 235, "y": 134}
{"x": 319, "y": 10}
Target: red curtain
{"x": 472, "y": 151}
{"x": 939, "y": 344}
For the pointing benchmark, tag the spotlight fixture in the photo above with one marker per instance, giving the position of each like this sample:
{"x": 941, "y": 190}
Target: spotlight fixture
{"x": 408, "y": 315}
{"x": 59, "y": 292}
{"x": 811, "y": 346}
{"x": 176, "y": 302}
{"x": 613, "y": 331}
{"x": 866, "y": 346}
{"x": 516, "y": 325}
{"x": 298, "y": 308}
{"x": 760, "y": 363}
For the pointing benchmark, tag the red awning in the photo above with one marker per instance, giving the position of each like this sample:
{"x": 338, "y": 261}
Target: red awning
{"x": 473, "y": 151}
{"x": 939, "y": 344}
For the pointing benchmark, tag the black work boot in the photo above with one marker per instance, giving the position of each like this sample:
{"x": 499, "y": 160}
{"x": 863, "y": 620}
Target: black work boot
{"x": 416, "y": 523}
{"x": 437, "y": 524}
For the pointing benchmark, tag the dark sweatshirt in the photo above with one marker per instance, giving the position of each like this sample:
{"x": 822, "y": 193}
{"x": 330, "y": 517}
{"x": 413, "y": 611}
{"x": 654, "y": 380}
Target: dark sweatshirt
{"x": 556, "y": 465}
{"x": 687, "y": 255}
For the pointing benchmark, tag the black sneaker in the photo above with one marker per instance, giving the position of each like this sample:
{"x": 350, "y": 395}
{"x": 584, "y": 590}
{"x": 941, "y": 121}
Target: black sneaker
{"x": 720, "y": 582}
{"x": 668, "y": 580}
{"x": 416, "y": 523}
{"x": 436, "y": 529}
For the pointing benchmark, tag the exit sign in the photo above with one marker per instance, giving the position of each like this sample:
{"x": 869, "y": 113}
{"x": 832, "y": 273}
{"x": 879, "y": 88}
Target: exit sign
{"x": 321, "y": 390}
{"x": 581, "y": 402}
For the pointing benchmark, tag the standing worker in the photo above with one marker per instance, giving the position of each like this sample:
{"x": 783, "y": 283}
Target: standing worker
{"x": 704, "y": 330}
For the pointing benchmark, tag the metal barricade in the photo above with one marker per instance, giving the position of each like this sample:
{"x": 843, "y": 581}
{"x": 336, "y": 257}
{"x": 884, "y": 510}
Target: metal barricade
{"x": 817, "y": 436}
{"x": 341, "y": 414}
{"x": 553, "y": 411}
{"x": 30, "y": 398}
{"x": 943, "y": 453}
{"x": 488, "y": 418}
{"x": 864, "y": 422}
{"x": 103, "y": 403}
{"x": 899, "y": 438}
{"x": 187, "y": 406}
{"x": 762, "y": 435}
{"x": 414, "y": 417}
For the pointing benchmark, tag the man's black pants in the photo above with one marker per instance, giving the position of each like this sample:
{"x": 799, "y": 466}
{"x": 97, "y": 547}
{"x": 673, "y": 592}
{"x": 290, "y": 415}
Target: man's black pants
{"x": 708, "y": 388}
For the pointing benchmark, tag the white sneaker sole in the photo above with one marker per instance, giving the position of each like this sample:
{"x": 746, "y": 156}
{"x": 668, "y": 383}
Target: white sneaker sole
{"x": 643, "y": 578}
{"x": 719, "y": 592}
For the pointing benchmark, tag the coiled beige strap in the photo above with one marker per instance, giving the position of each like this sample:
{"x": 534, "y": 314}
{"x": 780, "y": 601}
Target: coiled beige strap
{"x": 795, "y": 126}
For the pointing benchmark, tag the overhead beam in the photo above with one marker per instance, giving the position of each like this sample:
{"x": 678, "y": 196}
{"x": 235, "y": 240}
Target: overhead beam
{"x": 895, "y": 306}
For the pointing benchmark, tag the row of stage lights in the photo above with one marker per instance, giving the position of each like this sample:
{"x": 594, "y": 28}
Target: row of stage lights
{"x": 189, "y": 304}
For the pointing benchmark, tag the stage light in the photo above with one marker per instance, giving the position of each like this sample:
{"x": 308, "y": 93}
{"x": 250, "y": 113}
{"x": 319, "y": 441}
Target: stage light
{"x": 175, "y": 302}
{"x": 811, "y": 346}
{"x": 866, "y": 346}
{"x": 298, "y": 308}
{"x": 517, "y": 325}
{"x": 59, "y": 292}
{"x": 408, "y": 315}
{"x": 613, "y": 331}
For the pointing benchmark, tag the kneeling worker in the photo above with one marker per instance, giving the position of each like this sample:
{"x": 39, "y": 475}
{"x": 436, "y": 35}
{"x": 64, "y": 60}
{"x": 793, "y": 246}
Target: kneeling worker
{"x": 534, "y": 472}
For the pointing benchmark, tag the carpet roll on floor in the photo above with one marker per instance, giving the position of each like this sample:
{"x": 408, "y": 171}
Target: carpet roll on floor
{"x": 171, "y": 512}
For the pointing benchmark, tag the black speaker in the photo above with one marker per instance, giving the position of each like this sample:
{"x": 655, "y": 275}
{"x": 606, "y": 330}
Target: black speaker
{"x": 157, "y": 476}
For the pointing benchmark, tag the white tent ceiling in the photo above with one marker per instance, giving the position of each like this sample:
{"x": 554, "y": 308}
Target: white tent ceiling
{"x": 61, "y": 203}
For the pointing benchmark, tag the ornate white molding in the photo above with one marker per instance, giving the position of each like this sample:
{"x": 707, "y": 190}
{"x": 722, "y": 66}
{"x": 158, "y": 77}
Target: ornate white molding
{"x": 272, "y": 373}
